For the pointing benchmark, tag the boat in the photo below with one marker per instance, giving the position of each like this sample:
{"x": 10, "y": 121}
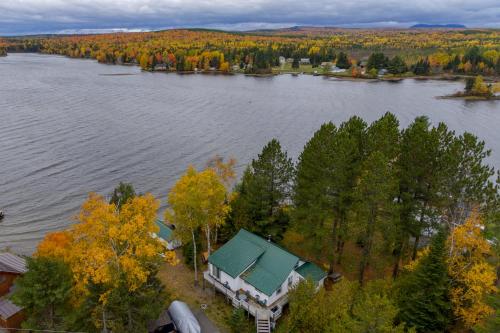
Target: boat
{"x": 2, "y": 215}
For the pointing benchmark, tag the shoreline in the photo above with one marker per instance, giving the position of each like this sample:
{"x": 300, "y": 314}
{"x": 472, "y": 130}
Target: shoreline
{"x": 393, "y": 79}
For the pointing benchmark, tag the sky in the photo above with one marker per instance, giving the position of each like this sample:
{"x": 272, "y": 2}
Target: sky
{"x": 93, "y": 16}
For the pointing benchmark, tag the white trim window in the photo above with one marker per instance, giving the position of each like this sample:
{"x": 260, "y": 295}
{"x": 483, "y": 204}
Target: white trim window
{"x": 216, "y": 272}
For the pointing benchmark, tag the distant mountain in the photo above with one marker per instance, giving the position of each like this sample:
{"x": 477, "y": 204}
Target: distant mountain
{"x": 430, "y": 26}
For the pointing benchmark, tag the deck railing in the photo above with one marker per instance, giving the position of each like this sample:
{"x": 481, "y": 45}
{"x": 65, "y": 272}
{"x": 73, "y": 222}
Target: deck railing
{"x": 249, "y": 305}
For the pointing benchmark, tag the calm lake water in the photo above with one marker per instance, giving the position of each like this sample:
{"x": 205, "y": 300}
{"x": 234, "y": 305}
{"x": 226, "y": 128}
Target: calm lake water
{"x": 69, "y": 126}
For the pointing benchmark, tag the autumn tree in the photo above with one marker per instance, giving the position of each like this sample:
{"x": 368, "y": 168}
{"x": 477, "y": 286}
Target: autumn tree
{"x": 472, "y": 277}
{"x": 197, "y": 201}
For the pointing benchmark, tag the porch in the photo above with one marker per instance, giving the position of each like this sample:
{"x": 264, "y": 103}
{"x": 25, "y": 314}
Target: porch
{"x": 239, "y": 299}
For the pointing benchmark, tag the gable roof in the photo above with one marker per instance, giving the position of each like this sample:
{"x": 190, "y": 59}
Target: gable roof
{"x": 310, "y": 270}
{"x": 270, "y": 264}
{"x": 165, "y": 232}
{"x": 10, "y": 263}
{"x": 8, "y": 309}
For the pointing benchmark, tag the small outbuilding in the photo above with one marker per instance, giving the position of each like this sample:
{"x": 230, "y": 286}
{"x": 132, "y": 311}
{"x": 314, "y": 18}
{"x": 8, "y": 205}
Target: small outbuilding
{"x": 166, "y": 236}
{"x": 11, "y": 267}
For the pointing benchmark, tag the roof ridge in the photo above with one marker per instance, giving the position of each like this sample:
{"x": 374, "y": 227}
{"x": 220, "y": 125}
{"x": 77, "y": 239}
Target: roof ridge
{"x": 269, "y": 242}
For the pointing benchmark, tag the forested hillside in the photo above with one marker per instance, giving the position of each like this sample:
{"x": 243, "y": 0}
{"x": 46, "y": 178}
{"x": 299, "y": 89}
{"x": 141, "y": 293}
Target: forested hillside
{"x": 422, "y": 51}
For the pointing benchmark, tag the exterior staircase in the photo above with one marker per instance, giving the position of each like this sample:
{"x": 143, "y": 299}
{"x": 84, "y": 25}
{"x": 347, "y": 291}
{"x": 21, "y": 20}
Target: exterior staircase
{"x": 263, "y": 323}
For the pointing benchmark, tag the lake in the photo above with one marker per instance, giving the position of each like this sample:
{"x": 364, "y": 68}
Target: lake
{"x": 71, "y": 126}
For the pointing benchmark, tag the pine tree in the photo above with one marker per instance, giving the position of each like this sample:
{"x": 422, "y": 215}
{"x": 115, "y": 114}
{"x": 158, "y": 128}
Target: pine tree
{"x": 264, "y": 190}
{"x": 349, "y": 151}
{"x": 313, "y": 184}
{"x": 375, "y": 194}
{"x": 423, "y": 295}
{"x": 44, "y": 292}
{"x": 121, "y": 194}
{"x": 342, "y": 61}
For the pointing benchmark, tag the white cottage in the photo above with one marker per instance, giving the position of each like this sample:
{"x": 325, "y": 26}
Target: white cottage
{"x": 257, "y": 274}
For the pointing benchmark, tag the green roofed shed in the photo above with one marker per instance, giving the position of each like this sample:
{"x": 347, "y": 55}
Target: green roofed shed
{"x": 310, "y": 270}
{"x": 165, "y": 232}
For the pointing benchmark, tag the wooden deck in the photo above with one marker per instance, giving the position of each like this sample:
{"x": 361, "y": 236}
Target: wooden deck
{"x": 260, "y": 312}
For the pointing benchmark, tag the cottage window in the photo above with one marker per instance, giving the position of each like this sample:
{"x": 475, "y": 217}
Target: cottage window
{"x": 216, "y": 271}
{"x": 278, "y": 291}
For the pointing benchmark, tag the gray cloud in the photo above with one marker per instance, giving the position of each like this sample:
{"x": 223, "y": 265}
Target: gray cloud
{"x": 48, "y": 16}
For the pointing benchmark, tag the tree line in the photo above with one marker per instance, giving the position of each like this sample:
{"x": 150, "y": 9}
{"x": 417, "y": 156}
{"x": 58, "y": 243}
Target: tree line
{"x": 184, "y": 50}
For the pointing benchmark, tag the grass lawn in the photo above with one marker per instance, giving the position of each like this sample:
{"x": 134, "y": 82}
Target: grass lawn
{"x": 179, "y": 283}
{"x": 287, "y": 68}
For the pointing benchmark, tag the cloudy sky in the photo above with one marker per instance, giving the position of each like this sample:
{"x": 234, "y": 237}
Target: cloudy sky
{"x": 68, "y": 16}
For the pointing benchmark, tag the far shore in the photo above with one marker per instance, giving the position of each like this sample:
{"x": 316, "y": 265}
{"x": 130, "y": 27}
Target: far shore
{"x": 341, "y": 77}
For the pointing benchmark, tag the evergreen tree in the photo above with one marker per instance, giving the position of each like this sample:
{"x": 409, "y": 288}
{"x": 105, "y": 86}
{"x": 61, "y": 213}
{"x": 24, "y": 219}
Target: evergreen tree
{"x": 422, "y": 67}
{"x": 349, "y": 152}
{"x": 343, "y": 61}
{"x": 377, "y": 60}
{"x": 423, "y": 294}
{"x": 295, "y": 63}
{"x": 313, "y": 186}
{"x": 419, "y": 172}
{"x": 375, "y": 193}
{"x": 397, "y": 65}
{"x": 265, "y": 188}
{"x": 44, "y": 293}
{"x": 121, "y": 194}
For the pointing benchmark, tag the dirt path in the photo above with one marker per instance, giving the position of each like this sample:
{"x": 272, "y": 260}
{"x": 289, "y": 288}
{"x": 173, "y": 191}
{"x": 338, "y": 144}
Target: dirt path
{"x": 179, "y": 283}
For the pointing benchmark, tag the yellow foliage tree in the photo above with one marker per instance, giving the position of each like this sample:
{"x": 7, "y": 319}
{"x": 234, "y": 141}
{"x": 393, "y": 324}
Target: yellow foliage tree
{"x": 479, "y": 87}
{"x": 198, "y": 200}
{"x": 472, "y": 277}
{"x": 106, "y": 243}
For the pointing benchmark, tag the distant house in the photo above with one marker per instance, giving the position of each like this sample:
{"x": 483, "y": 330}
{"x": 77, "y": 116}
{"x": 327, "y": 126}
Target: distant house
{"x": 305, "y": 61}
{"x": 236, "y": 68}
{"x": 335, "y": 69}
{"x": 289, "y": 60}
{"x": 166, "y": 236}
{"x": 256, "y": 275}
{"x": 282, "y": 60}
{"x": 160, "y": 67}
{"x": 11, "y": 267}
{"x": 382, "y": 72}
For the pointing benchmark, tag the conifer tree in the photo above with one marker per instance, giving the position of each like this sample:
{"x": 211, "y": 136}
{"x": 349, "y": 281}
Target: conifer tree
{"x": 423, "y": 295}
{"x": 313, "y": 186}
{"x": 265, "y": 188}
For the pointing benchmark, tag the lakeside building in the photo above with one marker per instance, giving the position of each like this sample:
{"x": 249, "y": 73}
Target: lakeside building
{"x": 166, "y": 236}
{"x": 256, "y": 275}
{"x": 11, "y": 267}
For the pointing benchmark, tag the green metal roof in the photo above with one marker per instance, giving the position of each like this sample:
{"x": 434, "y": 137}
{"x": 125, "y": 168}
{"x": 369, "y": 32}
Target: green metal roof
{"x": 310, "y": 270}
{"x": 271, "y": 264}
{"x": 165, "y": 232}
